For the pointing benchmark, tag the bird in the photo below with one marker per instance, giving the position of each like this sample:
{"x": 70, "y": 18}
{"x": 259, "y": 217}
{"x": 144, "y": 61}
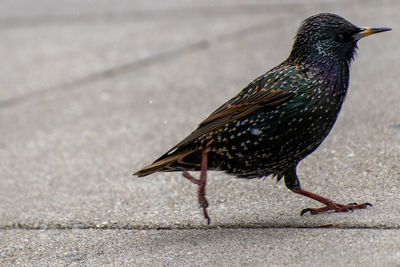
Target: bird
{"x": 279, "y": 118}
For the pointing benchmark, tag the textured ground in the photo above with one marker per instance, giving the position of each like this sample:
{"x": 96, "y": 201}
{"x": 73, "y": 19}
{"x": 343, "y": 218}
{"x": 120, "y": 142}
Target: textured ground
{"x": 92, "y": 91}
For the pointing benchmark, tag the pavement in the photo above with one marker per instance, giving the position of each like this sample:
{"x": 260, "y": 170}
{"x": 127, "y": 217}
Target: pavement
{"x": 91, "y": 91}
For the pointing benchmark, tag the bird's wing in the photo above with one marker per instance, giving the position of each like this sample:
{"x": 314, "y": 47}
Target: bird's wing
{"x": 183, "y": 154}
{"x": 271, "y": 89}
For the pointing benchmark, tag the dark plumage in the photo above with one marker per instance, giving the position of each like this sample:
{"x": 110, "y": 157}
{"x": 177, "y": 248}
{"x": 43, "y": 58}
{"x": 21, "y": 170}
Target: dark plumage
{"x": 280, "y": 117}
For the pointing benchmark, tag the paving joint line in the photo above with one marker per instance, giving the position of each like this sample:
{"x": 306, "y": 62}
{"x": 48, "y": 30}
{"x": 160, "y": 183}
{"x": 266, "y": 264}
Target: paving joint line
{"x": 111, "y": 72}
{"x": 175, "y": 13}
{"x": 80, "y": 226}
{"x": 194, "y": 47}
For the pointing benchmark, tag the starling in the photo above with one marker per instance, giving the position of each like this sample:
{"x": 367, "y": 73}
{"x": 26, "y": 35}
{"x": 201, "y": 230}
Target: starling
{"x": 279, "y": 118}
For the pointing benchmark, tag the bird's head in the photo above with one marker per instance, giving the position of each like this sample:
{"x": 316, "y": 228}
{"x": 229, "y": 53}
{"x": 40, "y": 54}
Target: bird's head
{"x": 328, "y": 38}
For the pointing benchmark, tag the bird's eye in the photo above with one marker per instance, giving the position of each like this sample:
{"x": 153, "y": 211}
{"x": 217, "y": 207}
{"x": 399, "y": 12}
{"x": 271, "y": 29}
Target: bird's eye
{"x": 339, "y": 37}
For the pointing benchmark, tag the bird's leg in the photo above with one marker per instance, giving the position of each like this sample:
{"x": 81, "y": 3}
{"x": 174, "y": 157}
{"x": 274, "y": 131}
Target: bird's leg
{"x": 292, "y": 182}
{"x": 201, "y": 183}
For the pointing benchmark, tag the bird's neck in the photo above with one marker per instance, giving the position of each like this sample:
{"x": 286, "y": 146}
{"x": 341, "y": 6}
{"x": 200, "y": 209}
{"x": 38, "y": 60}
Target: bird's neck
{"x": 333, "y": 73}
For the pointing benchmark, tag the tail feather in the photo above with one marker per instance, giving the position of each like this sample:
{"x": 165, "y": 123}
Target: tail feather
{"x": 174, "y": 162}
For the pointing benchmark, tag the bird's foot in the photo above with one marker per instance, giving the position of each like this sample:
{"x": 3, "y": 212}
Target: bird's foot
{"x": 336, "y": 207}
{"x": 330, "y": 205}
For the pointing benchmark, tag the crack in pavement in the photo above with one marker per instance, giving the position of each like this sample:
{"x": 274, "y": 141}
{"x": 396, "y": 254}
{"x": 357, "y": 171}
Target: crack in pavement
{"x": 200, "y": 45}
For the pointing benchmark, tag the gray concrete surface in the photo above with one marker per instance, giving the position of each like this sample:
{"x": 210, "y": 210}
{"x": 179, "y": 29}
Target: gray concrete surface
{"x": 91, "y": 91}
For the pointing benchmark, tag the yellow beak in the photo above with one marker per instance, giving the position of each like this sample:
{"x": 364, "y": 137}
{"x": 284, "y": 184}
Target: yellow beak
{"x": 364, "y": 32}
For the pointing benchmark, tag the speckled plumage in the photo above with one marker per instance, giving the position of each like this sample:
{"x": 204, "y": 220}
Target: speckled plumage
{"x": 280, "y": 117}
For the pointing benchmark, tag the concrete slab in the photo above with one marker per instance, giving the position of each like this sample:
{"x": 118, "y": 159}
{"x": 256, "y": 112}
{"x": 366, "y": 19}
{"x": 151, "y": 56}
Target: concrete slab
{"x": 219, "y": 247}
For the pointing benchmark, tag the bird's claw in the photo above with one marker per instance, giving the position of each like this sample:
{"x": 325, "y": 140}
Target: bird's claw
{"x": 204, "y": 205}
{"x": 305, "y": 211}
{"x": 208, "y": 220}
